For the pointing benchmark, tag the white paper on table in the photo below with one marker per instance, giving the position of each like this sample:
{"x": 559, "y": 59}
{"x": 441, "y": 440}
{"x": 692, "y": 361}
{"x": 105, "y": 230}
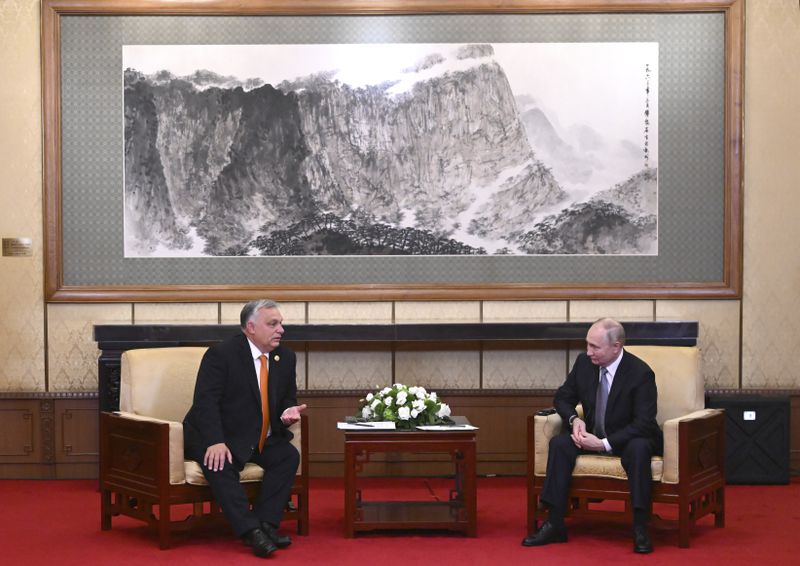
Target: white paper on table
{"x": 447, "y": 427}
{"x": 378, "y": 425}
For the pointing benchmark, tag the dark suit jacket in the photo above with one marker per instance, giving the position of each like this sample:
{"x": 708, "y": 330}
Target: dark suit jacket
{"x": 632, "y": 401}
{"x": 227, "y": 402}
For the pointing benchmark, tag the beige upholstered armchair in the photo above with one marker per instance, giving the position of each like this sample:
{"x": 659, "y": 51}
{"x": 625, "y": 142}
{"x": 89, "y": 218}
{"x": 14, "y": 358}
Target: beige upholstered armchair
{"x": 142, "y": 468}
{"x": 690, "y": 474}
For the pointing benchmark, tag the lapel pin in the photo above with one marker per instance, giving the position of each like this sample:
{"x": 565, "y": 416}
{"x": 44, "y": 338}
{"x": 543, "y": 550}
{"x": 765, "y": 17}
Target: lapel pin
{"x": 276, "y": 358}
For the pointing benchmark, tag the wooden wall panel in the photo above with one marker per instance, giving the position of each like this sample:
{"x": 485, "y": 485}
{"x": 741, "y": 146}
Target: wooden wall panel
{"x": 76, "y": 439}
{"x": 76, "y": 431}
{"x": 46, "y": 437}
{"x": 19, "y": 441}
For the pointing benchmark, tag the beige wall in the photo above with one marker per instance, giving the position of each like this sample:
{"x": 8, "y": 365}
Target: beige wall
{"x": 52, "y": 349}
{"x": 22, "y": 321}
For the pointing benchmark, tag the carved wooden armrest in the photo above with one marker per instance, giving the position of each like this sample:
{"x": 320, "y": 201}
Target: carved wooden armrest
{"x": 145, "y": 446}
{"x": 693, "y": 443}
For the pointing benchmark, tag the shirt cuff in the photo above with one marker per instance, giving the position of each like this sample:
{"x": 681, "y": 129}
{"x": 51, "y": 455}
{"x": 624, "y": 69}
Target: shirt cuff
{"x": 606, "y": 445}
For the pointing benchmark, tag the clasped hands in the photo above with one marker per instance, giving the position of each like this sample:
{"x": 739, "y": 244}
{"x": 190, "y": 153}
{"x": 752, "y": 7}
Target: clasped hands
{"x": 584, "y": 439}
{"x": 216, "y": 454}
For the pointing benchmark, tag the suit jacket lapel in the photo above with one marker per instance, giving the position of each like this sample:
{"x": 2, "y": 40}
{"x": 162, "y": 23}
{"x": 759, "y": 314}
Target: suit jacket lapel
{"x": 619, "y": 381}
{"x": 590, "y": 406}
{"x": 272, "y": 391}
{"x": 250, "y": 369}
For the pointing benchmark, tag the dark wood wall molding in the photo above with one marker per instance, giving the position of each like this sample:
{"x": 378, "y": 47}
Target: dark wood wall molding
{"x": 115, "y": 339}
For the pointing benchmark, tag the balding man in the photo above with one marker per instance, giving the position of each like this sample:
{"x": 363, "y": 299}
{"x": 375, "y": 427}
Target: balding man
{"x": 244, "y": 402}
{"x": 619, "y": 397}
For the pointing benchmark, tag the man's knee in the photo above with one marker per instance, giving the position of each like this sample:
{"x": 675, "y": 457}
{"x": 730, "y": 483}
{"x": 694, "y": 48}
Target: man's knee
{"x": 287, "y": 458}
{"x": 639, "y": 451}
{"x": 562, "y": 443}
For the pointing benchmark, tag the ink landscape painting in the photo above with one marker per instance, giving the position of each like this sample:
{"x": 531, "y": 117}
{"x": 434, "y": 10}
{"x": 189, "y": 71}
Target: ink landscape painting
{"x": 390, "y": 149}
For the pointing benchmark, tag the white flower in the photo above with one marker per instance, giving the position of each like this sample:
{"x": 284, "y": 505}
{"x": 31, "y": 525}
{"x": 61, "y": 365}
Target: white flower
{"x": 366, "y": 412}
{"x": 418, "y": 404}
{"x": 388, "y": 401}
{"x": 432, "y": 396}
{"x": 370, "y": 397}
{"x": 413, "y": 390}
{"x": 375, "y": 403}
{"x": 402, "y": 397}
{"x": 414, "y": 413}
{"x": 421, "y": 393}
{"x": 385, "y": 390}
{"x": 404, "y": 413}
{"x": 444, "y": 411}
{"x": 399, "y": 386}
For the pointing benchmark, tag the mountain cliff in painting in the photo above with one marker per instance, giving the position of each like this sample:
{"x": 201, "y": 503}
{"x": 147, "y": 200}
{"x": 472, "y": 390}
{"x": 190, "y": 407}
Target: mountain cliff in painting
{"x": 435, "y": 165}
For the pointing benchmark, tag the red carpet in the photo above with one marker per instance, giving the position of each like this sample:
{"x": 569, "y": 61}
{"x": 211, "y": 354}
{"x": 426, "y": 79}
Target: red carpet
{"x": 57, "y": 522}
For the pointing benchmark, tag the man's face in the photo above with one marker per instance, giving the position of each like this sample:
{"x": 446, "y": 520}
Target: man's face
{"x": 265, "y": 329}
{"x": 599, "y": 349}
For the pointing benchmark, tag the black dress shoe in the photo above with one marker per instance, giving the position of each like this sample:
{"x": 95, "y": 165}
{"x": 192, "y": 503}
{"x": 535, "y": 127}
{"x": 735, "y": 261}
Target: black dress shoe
{"x": 641, "y": 541}
{"x": 547, "y": 534}
{"x": 260, "y": 543}
{"x": 281, "y": 541}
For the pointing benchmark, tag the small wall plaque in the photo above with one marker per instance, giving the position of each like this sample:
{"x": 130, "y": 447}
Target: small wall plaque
{"x": 17, "y": 247}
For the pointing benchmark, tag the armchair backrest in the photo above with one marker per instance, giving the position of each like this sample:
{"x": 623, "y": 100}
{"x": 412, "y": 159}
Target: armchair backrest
{"x": 681, "y": 388}
{"x": 159, "y": 382}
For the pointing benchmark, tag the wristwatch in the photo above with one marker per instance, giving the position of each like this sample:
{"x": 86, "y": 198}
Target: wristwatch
{"x": 572, "y": 419}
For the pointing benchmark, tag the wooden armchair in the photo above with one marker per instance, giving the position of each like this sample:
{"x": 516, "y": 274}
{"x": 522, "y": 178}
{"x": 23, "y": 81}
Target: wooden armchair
{"x": 690, "y": 474}
{"x": 143, "y": 473}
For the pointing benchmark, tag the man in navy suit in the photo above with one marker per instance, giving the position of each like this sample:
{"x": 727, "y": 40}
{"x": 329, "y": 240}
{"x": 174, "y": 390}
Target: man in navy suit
{"x": 628, "y": 429}
{"x": 226, "y": 428}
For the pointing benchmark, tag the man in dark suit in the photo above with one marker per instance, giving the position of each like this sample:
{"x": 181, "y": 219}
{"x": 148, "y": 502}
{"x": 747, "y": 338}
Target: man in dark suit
{"x": 226, "y": 426}
{"x": 619, "y": 420}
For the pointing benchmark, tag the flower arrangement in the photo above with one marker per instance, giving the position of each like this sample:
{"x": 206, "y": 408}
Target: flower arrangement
{"x": 406, "y": 406}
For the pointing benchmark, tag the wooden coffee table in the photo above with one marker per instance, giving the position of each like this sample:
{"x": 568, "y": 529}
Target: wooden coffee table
{"x": 459, "y": 513}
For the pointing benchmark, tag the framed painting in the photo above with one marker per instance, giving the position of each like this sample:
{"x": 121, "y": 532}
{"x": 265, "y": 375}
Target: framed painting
{"x": 352, "y": 150}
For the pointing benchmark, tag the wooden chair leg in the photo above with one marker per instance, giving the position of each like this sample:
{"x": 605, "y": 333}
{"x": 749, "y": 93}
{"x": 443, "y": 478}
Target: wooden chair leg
{"x": 719, "y": 515}
{"x": 105, "y": 510}
{"x": 302, "y": 508}
{"x": 164, "y": 524}
{"x": 684, "y": 524}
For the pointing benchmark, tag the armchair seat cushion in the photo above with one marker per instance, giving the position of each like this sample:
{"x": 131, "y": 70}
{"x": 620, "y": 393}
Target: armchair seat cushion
{"x": 598, "y": 465}
{"x": 194, "y": 474}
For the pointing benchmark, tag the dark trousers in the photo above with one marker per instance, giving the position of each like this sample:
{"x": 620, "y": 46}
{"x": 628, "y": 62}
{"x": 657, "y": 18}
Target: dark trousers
{"x": 279, "y": 461}
{"x": 563, "y": 453}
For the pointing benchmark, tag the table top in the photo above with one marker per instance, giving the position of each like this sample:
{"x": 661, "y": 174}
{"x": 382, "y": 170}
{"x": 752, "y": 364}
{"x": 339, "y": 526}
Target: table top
{"x": 400, "y": 434}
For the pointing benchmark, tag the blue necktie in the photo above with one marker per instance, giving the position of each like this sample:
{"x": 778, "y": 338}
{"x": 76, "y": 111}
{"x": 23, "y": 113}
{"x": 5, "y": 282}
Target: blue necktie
{"x": 600, "y": 405}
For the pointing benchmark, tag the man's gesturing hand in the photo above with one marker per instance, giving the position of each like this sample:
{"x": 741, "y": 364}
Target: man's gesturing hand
{"x": 292, "y": 414}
